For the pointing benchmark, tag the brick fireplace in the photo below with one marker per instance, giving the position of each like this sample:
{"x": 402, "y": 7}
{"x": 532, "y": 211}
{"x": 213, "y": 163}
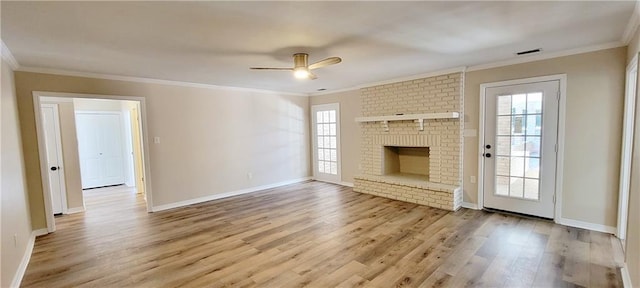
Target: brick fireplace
{"x": 416, "y": 161}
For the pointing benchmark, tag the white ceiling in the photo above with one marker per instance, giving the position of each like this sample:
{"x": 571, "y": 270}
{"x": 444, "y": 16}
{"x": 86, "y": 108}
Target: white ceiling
{"x": 216, "y": 42}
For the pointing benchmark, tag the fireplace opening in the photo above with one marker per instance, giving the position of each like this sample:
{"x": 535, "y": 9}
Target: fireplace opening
{"x": 406, "y": 161}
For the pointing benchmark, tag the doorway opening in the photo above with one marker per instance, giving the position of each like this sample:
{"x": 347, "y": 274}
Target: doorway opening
{"x": 102, "y": 143}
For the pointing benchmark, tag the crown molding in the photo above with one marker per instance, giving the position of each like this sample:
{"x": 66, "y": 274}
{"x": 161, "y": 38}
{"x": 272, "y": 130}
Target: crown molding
{"x": 484, "y": 66}
{"x": 632, "y": 25}
{"x": 519, "y": 60}
{"x": 62, "y": 72}
{"x": 8, "y": 56}
{"x": 545, "y": 56}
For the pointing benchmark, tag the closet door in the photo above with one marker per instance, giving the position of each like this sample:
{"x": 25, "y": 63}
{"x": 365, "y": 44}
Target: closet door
{"x": 100, "y": 148}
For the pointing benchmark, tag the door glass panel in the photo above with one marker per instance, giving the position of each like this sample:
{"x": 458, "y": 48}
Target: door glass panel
{"x": 504, "y": 125}
{"x": 516, "y": 186}
{"x": 532, "y": 146}
{"x": 517, "y": 166}
{"x": 327, "y": 142}
{"x": 504, "y": 105}
{"x": 534, "y": 124}
{"x": 519, "y": 104}
{"x": 518, "y": 144}
{"x": 502, "y": 185}
{"x": 517, "y": 125}
{"x": 334, "y": 168}
{"x": 531, "y": 188}
{"x": 532, "y": 168}
{"x": 503, "y": 145}
{"x": 534, "y": 103}
{"x": 502, "y": 166}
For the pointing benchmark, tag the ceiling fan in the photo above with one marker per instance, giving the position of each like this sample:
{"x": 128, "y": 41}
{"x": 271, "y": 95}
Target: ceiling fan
{"x": 301, "y": 67}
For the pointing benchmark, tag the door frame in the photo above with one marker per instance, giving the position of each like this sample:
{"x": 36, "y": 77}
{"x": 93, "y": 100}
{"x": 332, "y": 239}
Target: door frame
{"x": 627, "y": 148}
{"x": 50, "y": 220}
{"x": 562, "y": 78}
{"x": 63, "y": 184}
{"x": 314, "y": 141}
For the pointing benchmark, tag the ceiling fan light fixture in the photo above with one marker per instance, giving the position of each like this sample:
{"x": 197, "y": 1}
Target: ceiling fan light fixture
{"x": 301, "y": 73}
{"x": 301, "y": 67}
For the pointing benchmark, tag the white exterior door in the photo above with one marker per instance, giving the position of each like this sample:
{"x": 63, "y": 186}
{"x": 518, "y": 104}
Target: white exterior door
{"x": 100, "y": 146}
{"x": 519, "y": 149}
{"x": 326, "y": 142}
{"x": 57, "y": 188}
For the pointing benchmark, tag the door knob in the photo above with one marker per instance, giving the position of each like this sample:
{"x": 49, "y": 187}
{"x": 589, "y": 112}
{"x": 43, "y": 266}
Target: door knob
{"x": 54, "y": 168}
{"x": 488, "y": 155}
{"x": 488, "y": 146}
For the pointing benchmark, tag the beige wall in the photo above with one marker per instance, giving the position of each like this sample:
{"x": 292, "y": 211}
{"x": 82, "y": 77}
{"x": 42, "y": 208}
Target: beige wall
{"x": 349, "y": 129}
{"x": 632, "y": 251}
{"x": 593, "y": 129}
{"x": 209, "y": 138}
{"x": 15, "y": 211}
{"x": 97, "y": 105}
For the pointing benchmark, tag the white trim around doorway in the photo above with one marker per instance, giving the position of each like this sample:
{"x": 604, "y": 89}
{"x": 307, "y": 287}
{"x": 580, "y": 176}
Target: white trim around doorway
{"x": 42, "y": 151}
{"x": 630, "y": 92}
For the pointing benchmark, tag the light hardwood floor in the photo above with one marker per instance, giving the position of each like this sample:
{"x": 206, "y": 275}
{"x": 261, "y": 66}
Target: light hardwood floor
{"x": 317, "y": 235}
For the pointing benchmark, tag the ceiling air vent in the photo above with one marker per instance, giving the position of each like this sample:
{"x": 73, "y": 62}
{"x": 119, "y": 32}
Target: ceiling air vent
{"x": 529, "y": 52}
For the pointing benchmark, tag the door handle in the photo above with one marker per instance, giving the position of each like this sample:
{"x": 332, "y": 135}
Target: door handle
{"x": 488, "y": 146}
{"x": 54, "y": 168}
{"x": 488, "y": 155}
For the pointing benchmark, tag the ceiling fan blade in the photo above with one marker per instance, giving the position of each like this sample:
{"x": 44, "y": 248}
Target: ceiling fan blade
{"x": 312, "y": 76}
{"x": 325, "y": 62}
{"x": 270, "y": 68}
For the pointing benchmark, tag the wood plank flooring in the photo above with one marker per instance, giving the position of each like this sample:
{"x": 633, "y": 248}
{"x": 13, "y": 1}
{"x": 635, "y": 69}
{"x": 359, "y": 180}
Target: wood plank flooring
{"x": 316, "y": 235}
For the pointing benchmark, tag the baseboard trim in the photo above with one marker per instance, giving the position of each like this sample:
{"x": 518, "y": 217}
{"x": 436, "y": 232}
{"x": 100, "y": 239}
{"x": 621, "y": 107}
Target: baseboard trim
{"x": 17, "y": 278}
{"x": 348, "y": 184}
{"x": 75, "y": 210}
{"x": 40, "y": 232}
{"x": 225, "y": 195}
{"x": 469, "y": 205}
{"x": 626, "y": 278}
{"x": 586, "y": 225}
{"x": 343, "y": 183}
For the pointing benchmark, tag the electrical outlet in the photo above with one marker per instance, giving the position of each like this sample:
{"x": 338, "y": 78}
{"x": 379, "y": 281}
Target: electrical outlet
{"x": 250, "y": 175}
{"x": 15, "y": 240}
{"x": 156, "y": 140}
{"x": 472, "y": 179}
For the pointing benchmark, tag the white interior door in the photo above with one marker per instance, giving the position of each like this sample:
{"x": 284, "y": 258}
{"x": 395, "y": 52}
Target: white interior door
{"x": 326, "y": 142}
{"x": 519, "y": 149}
{"x": 100, "y": 146}
{"x": 57, "y": 188}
